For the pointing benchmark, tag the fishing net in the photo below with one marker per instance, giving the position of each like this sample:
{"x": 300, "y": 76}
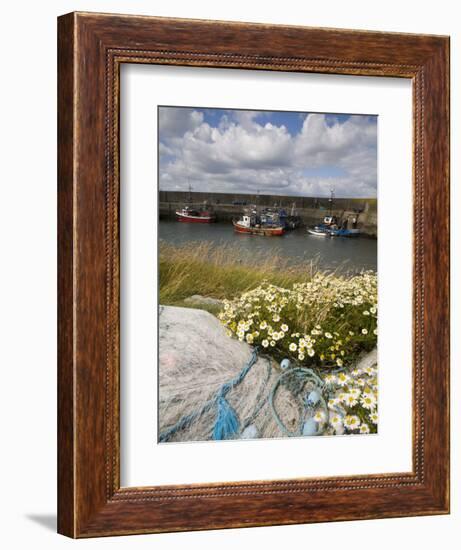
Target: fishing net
{"x": 196, "y": 359}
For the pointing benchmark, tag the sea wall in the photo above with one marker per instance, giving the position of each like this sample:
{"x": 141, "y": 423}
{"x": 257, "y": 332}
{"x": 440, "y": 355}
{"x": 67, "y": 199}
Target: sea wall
{"x": 311, "y": 210}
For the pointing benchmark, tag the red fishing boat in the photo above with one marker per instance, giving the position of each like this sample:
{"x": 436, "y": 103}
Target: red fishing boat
{"x": 190, "y": 214}
{"x": 251, "y": 224}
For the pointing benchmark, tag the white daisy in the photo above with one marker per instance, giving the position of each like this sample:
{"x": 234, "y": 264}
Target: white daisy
{"x": 374, "y": 417}
{"x": 319, "y": 416}
{"x": 351, "y": 421}
{"x": 368, "y": 402}
{"x": 343, "y": 379}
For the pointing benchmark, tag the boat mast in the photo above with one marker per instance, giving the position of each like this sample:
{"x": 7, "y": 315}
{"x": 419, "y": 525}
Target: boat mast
{"x": 331, "y": 200}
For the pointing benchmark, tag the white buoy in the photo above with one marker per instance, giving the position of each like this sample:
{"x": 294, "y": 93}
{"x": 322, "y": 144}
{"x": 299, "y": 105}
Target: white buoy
{"x": 285, "y": 363}
{"x": 313, "y": 398}
{"x": 250, "y": 432}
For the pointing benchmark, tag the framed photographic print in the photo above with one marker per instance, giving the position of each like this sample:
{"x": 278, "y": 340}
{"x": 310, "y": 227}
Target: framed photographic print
{"x": 253, "y": 275}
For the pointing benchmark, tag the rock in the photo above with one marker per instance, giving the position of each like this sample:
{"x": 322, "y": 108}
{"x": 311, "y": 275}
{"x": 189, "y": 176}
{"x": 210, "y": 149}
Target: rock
{"x": 368, "y": 360}
{"x": 198, "y": 300}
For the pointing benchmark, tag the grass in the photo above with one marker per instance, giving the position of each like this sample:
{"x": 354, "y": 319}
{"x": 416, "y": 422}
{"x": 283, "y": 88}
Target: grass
{"x": 221, "y": 272}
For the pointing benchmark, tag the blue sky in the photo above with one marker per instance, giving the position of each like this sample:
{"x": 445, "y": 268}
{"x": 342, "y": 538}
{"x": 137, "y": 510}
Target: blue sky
{"x": 276, "y": 152}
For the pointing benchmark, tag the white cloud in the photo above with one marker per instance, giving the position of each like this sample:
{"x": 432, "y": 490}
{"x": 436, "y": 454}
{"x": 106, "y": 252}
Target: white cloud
{"x": 239, "y": 154}
{"x": 175, "y": 122}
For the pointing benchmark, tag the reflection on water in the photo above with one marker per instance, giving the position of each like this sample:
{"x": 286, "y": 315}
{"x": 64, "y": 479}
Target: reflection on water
{"x": 297, "y": 247}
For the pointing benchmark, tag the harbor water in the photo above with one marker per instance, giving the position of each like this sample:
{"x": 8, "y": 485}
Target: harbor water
{"x": 296, "y": 247}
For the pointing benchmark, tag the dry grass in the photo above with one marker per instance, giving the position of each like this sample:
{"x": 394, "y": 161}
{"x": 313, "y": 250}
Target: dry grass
{"x": 221, "y": 272}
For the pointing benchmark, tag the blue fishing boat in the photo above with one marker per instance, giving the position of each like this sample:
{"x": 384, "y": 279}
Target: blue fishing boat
{"x": 344, "y": 232}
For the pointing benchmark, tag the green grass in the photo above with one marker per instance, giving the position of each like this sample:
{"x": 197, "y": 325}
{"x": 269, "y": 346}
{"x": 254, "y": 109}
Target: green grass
{"x": 221, "y": 272}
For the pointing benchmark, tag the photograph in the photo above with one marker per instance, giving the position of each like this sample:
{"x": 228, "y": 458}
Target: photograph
{"x": 267, "y": 274}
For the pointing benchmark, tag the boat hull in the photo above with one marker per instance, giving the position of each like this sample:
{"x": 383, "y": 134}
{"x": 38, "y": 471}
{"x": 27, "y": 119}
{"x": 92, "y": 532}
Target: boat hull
{"x": 349, "y": 233}
{"x": 264, "y": 231}
{"x": 186, "y": 218}
{"x": 318, "y": 233}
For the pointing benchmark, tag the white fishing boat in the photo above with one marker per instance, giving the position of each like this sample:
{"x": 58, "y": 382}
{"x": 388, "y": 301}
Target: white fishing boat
{"x": 324, "y": 229}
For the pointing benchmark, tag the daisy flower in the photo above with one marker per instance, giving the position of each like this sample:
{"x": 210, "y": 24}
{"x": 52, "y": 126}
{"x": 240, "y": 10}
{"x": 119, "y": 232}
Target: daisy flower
{"x": 351, "y": 422}
{"x": 319, "y": 416}
{"x": 374, "y": 417}
{"x": 343, "y": 379}
{"x": 351, "y": 400}
{"x": 330, "y": 379}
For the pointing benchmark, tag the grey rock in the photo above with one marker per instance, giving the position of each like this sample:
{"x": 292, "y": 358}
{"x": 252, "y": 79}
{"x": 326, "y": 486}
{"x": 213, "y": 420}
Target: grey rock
{"x": 368, "y": 360}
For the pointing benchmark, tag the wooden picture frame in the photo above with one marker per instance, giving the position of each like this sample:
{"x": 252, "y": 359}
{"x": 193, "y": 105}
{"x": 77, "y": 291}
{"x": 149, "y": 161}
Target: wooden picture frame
{"x": 91, "y": 49}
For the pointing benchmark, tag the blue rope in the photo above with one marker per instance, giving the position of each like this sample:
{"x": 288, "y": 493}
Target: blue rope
{"x": 227, "y": 424}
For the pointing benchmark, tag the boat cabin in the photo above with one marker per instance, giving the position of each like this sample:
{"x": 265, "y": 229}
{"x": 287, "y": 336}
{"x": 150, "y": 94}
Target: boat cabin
{"x": 330, "y": 220}
{"x": 246, "y": 221}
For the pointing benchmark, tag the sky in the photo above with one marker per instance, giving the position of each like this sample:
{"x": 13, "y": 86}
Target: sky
{"x": 277, "y": 153}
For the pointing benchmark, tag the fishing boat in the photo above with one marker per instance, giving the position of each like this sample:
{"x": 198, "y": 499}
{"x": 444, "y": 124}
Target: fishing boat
{"x": 195, "y": 214}
{"x": 344, "y": 232}
{"x": 329, "y": 224}
{"x": 189, "y": 214}
{"x": 293, "y": 220}
{"x": 253, "y": 223}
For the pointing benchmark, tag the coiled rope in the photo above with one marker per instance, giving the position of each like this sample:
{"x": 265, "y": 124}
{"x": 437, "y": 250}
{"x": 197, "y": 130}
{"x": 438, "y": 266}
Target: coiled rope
{"x": 305, "y": 374}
